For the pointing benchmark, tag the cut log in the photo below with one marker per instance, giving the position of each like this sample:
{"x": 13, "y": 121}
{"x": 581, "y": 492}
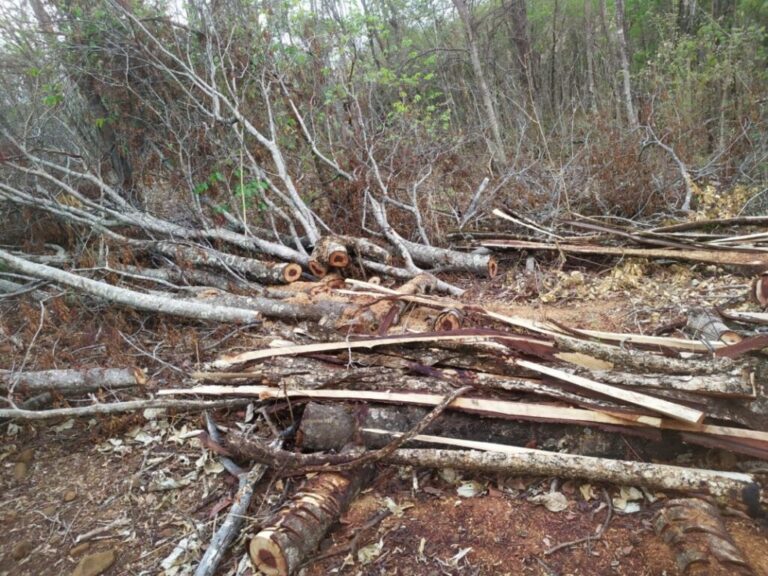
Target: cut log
{"x": 294, "y": 531}
{"x": 331, "y": 427}
{"x": 707, "y": 325}
{"x": 744, "y": 262}
{"x": 697, "y": 535}
{"x": 281, "y": 273}
{"x": 271, "y": 308}
{"x": 364, "y": 248}
{"x": 448, "y": 319}
{"x": 446, "y": 259}
{"x": 738, "y": 382}
{"x": 330, "y": 252}
{"x": 317, "y": 268}
{"x": 131, "y": 298}
{"x": 760, "y": 290}
{"x": 388, "y": 313}
{"x": 71, "y": 381}
{"x": 192, "y": 277}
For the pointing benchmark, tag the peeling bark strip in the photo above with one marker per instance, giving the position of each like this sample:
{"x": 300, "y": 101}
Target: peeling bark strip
{"x": 707, "y": 325}
{"x": 85, "y": 380}
{"x": 295, "y": 530}
{"x": 676, "y": 411}
{"x": 475, "y": 335}
{"x": 131, "y": 298}
{"x": 260, "y": 271}
{"x": 760, "y": 290}
{"x": 697, "y": 534}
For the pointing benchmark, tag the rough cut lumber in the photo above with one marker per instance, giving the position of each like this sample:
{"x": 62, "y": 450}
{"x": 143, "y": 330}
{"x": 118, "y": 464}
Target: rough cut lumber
{"x": 326, "y": 427}
{"x": 281, "y": 273}
{"x": 131, "y": 298}
{"x": 85, "y": 380}
{"x": 747, "y": 263}
{"x": 466, "y": 336}
{"x": 676, "y": 411}
{"x": 726, "y": 487}
{"x": 483, "y": 407}
{"x": 707, "y": 325}
{"x": 699, "y": 538}
{"x": 295, "y": 530}
{"x": 120, "y": 407}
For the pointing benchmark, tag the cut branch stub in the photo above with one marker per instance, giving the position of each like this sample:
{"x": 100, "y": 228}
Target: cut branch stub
{"x": 707, "y": 325}
{"x": 760, "y": 290}
{"x": 448, "y": 319}
{"x": 317, "y": 268}
{"x": 330, "y": 252}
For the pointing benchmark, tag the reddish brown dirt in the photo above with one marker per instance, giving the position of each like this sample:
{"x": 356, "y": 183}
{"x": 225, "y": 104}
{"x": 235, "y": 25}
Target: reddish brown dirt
{"x": 72, "y": 486}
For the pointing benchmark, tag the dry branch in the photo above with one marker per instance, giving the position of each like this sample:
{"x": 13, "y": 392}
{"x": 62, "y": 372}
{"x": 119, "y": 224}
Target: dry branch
{"x": 71, "y": 381}
{"x": 131, "y": 298}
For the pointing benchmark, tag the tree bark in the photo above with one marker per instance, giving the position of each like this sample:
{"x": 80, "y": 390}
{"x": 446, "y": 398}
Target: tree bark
{"x": 73, "y": 380}
{"x": 624, "y": 60}
{"x": 497, "y": 147}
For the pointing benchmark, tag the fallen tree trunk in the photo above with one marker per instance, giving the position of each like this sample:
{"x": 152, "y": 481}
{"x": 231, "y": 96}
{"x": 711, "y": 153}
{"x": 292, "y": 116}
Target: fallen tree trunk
{"x": 294, "y": 531}
{"x": 282, "y": 273}
{"x": 131, "y": 298}
{"x": 726, "y": 487}
{"x": 191, "y": 277}
{"x": 72, "y": 381}
{"x": 271, "y": 308}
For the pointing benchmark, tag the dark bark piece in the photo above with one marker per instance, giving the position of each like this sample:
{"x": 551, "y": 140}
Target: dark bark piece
{"x": 699, "y": 538}
{"x": 294, "y": 531}
{"x": 760, "y": 290}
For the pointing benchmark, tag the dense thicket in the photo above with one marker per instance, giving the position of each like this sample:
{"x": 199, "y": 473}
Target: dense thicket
{"x": 277, "y": 121}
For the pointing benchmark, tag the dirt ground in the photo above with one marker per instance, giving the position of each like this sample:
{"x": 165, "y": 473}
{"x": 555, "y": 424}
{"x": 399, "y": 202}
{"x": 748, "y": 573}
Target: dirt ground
{"x": 140, "y": 488}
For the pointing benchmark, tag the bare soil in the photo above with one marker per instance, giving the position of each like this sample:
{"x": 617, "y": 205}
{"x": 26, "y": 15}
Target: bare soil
{"x": 143, "y": 486}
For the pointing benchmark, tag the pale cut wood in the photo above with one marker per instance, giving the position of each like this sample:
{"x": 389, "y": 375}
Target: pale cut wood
{"x": 676, "y": 411}
{"x": 726, "y": 487}
{"x": 759, "y": 290}
{"x": 295, "y": 530}
{"x": 448, "y": 319}
{"x": 229, "y": 361}
{"x": 330, "y": 252}
{"x": 547, "y": 328}
{"x": 487, "y": 407}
